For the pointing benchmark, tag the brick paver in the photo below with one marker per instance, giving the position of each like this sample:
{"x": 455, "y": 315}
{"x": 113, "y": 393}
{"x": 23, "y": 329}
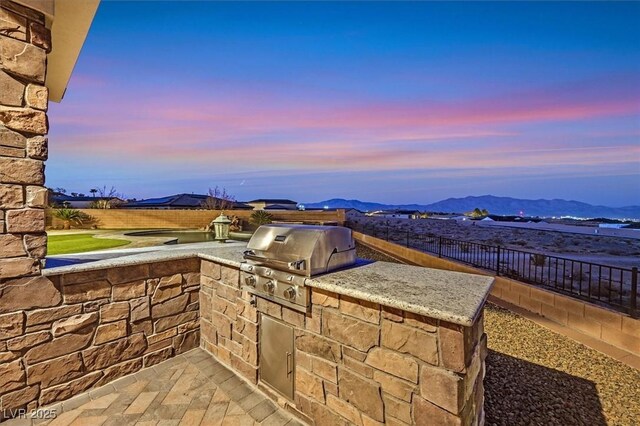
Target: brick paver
{"x": 191, "y": 389}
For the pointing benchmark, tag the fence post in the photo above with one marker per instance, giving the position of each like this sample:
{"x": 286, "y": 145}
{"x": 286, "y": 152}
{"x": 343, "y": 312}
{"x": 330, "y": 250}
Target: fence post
{"x": 498, "y": 263}
{"x": 439, "y": 246}
{"x": 387, "y": 232}
{"x": 407, "y": 239}
{"x": 634, "y": 292}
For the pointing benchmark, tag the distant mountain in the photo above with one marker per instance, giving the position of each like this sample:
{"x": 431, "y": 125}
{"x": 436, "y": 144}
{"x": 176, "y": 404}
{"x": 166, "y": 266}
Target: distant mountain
{"x": 495, "y": 205}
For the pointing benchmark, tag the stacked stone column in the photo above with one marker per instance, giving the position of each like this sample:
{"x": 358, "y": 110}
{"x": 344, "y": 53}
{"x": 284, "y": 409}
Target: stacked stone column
{"x": 24, "y": 44}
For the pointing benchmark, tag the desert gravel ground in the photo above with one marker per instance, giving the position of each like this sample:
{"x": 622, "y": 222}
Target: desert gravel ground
{"x": 537, "y": 377}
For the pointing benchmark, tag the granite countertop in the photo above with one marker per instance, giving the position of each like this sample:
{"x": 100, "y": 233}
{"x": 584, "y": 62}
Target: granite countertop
{"x": 450, "y": 296}
{"x": 229, "y": 254}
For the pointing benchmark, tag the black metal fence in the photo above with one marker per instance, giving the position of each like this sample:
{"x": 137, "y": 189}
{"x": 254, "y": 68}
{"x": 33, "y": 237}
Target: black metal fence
{"x": 611, "y": 286}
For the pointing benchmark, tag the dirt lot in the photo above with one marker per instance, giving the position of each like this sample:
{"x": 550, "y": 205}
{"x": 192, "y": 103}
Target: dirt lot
{"x": 614, "y": 251}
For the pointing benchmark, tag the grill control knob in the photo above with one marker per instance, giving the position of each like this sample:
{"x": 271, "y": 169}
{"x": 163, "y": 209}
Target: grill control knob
{"x": 250, "y": 281}
{"x": 269, "y": 286}
{"x": 291, "y": 293}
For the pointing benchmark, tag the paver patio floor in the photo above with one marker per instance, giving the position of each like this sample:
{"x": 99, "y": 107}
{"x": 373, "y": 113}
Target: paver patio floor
{"x": 190, "y": 389}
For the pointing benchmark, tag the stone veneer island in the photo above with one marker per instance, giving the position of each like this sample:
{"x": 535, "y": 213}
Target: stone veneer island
{"x": 381, "y": 343}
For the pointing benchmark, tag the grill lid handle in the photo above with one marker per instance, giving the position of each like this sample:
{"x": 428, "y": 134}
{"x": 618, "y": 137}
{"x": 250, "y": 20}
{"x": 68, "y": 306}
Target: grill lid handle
{"x": 296, "y": 265}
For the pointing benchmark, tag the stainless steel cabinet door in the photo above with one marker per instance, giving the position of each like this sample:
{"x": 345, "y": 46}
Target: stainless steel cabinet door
{"x": 276, "y": 355}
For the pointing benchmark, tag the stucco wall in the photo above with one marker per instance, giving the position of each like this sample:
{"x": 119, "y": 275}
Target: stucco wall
{"x": 194, "y": 219}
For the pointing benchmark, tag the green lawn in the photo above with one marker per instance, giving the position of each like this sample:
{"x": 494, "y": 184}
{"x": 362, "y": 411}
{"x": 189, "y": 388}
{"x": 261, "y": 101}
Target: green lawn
{"x": 78, "y": 243}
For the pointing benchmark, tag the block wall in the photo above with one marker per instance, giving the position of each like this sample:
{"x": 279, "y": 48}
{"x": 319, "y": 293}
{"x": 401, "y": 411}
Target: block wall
{"x": 611, "y": 327}
{"x": 194, "y": 219}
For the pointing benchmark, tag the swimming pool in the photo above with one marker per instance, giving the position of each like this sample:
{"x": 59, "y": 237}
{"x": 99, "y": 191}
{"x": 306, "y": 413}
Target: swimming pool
{"x": 187, "y": 237}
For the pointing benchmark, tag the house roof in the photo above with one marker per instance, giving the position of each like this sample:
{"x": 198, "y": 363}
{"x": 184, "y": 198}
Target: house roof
{"x": 277, "y": 207}
{"x": 273, "y": 201}
{"x": 64, "y": 197}
{"x": 179, "y": 200}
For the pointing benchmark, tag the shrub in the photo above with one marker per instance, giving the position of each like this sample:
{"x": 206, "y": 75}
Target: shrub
{"x": 69, "y": 216}
{"x": 260, "y": 217}
{"x": 538, "y": 259}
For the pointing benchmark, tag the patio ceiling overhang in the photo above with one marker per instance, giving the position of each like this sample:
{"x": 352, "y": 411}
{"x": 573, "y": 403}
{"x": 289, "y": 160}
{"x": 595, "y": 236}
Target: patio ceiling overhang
{"x": 69, "y": 21}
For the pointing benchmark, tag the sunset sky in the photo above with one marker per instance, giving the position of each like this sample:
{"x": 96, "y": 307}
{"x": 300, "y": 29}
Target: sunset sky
{"x": 387, "y": 102}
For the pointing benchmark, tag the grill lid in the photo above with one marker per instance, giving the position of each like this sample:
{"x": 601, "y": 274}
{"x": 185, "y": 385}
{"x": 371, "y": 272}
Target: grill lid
{"x": 304, "y": 249}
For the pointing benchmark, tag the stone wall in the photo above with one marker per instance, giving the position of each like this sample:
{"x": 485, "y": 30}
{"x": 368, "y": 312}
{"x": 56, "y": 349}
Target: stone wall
{"x": 356, "y": 362}
{"x": 193, "y": 219}
{"x": 614, "y": 328}
{"x": 63, "y": 334}
{"x": 24, "y": 44}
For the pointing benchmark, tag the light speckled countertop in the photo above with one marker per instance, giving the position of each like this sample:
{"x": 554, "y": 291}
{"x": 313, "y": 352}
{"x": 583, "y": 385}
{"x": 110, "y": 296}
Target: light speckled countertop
{"x": 450, "y": 296}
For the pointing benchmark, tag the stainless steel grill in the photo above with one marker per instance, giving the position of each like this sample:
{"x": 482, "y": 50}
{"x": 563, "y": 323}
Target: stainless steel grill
{"x": 279, "y": 259}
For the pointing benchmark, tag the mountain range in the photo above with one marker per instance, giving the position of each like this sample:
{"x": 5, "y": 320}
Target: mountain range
{"x": 495, "y": 205}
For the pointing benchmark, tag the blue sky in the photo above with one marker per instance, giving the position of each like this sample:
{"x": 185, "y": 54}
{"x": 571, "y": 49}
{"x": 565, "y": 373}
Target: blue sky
{"x": 388, "y": 102}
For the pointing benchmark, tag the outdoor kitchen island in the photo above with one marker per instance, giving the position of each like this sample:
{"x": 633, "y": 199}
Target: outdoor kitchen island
{"x": 378, "y": 343}
{"x": 375, "y": 342}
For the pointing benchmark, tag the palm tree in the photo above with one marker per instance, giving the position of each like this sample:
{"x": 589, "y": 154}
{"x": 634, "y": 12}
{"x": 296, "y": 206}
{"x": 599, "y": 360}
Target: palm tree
{"x": 93, "y": 191}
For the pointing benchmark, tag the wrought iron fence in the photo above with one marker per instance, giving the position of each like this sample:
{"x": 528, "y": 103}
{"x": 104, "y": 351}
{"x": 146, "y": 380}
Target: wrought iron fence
{"x": 611, "y": 286}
